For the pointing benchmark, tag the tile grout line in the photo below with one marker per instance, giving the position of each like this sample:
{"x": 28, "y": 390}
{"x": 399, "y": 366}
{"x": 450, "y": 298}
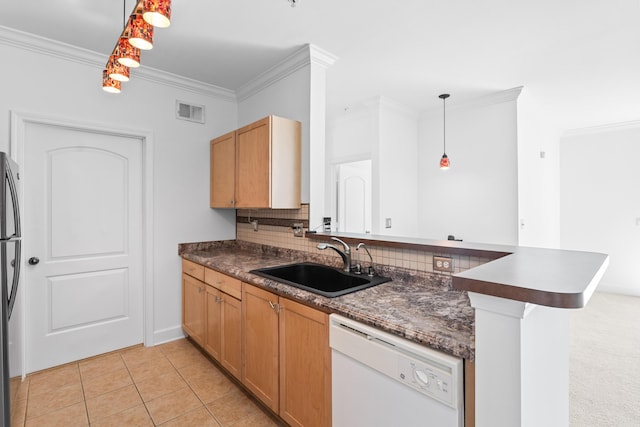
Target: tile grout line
{"x": 193, "y": 391}
{"x": 135, "y": 384}
{"x": 84, "y": 396}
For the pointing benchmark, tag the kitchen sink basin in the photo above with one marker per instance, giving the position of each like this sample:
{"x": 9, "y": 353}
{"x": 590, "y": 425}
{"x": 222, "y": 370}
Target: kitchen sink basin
{"x": 320, "y": 279}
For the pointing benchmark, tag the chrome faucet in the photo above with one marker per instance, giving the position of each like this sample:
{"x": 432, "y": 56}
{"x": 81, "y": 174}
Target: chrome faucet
{"x": 370, "y": 269}
{"x": 344, "y": 254}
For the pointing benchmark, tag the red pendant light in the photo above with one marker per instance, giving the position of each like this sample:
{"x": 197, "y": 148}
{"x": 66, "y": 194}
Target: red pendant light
{"x": 140, "y": 32}
{"x": 116, "y": 70}
{"x": 157, "y": 12}
{"x": 127, "y": 55}
{"x": 444, "y": 161}
{"x": 110, "y": 85}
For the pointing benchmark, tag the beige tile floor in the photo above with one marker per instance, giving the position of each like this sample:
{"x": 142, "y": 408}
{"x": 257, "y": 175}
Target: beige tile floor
{"x": 172, "y": 384}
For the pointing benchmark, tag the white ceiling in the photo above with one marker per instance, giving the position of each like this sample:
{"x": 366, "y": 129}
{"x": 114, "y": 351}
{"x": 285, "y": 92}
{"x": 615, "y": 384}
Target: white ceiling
{"x": 578, "y": 58}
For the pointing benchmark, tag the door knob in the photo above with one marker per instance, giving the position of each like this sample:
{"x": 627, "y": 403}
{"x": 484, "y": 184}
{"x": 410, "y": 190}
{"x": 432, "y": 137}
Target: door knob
{"x": 33, "y": 260}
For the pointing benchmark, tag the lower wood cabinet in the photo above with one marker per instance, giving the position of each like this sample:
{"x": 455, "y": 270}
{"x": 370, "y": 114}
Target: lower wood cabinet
{"x": 277, "y": 347}
{"x": 224, "y": 330}
{"x": 260, "y": 336}
{"x": 193, "y": 308}
{"x": 213, "y": 318}
{"x": 305, "y": 365}
{"x": 287, "y": 361}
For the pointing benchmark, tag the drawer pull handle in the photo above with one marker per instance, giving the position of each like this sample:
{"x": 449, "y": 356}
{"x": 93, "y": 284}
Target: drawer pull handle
{"x": 276, "y": 307}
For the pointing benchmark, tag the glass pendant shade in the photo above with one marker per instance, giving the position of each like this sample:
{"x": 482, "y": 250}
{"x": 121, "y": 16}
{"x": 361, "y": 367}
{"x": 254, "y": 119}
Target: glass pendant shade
{"x": 127, "y": 55}
{"x": 444, "y": 162}
{"x": 140, "y": 32}
{"x": 116, "y": 70}
{"x": 157, "y": 12}
{"x": 110, "y": 85}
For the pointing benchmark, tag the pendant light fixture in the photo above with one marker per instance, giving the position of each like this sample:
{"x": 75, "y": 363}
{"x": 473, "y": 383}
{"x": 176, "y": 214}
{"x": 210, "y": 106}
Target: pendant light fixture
{"x": 137, "y": 34}
{"x": 157, "y": 12}
{"x": 127, "y": 55}
{"x": 444, "y": 161}
{"x": 110, "y": 85}
{"x": 140, "y": 32}
{"x": 116, "y": 70}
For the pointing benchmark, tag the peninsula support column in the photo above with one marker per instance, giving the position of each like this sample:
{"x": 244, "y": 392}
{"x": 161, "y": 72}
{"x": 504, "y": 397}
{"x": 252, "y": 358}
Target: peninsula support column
{"x": 522, "y": 363}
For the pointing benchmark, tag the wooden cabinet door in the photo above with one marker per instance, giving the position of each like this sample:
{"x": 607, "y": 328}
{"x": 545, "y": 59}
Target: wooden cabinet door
{"x": 253, "y": 171}
{"x": 222, "y": 171}
{"x": 213, "y": 334}
{"x": 193, "y": 306}
{"x": 305, "y": 365}
{"x": 260, "y": 337}
{"x": 231, "y": 337}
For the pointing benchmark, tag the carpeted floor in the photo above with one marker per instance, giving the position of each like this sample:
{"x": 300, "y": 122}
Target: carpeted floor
{"x": 604, "y": 372}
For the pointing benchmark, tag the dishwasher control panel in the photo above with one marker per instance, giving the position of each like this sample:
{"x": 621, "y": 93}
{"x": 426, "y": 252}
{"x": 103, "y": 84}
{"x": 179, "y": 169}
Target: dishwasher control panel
{"x": 426, "y": 378}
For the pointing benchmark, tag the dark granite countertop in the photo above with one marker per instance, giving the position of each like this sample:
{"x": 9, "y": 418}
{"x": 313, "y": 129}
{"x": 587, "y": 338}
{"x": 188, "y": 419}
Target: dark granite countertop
{"x": 550, "y": 277}
{"x": 420, "y": 307}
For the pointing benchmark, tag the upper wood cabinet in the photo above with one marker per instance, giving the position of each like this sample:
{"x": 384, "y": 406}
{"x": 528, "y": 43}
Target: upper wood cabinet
{"x": 223, "y": 171}
{"x": 257, "y": 166}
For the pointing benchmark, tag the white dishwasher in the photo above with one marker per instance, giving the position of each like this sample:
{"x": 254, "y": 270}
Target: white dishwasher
{"x": 382, "y": 380}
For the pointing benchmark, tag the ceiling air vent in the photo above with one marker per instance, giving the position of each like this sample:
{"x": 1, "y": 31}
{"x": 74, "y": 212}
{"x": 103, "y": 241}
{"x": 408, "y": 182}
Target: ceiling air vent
{"x": 190, "y": 112}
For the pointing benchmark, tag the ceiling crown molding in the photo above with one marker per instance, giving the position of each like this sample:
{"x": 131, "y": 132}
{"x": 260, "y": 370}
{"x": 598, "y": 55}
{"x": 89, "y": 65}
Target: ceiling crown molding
{"x": 299, "y": 59}
{"x": 611, "y": 127}
{"x": 67, "y": 52}
{"x": 479, "y": 102}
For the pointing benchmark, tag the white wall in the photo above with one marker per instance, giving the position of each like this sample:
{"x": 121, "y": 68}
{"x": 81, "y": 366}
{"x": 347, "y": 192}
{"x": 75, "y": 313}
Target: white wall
{"x": 70, "y": 89}
{"x": 397, "y": 172}
{"x": 600, "y": 200}
{"x": 477, "y": 198}
{"x": 386, "y": 133}
{"x": 538, "y": 172}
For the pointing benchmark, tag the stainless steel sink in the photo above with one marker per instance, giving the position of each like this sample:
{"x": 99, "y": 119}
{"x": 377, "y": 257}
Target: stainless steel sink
{"x": 319, "y": 278}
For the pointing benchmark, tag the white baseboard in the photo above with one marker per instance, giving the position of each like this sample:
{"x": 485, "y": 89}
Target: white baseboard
{"x": 613, "y": 288}
{"x": 166, "y": 335}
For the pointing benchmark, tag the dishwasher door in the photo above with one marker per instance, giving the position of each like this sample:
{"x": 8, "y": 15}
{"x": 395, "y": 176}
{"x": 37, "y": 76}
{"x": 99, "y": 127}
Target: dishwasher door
{"x": 382, "y": 380}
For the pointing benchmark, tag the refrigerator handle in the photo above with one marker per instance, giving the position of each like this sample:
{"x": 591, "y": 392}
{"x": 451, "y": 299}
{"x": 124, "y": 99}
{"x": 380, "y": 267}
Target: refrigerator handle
{"x": 16, "y": 277}
{"x": 14, "y": 198}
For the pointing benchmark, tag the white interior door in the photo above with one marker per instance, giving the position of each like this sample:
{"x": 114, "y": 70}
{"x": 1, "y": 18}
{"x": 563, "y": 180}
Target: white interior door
{"x": 354, "y": 197}
{"x": 83, "y": 222}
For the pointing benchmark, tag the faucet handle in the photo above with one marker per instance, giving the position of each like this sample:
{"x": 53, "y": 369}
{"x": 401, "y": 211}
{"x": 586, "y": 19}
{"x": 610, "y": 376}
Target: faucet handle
{"x": 347, "y": 249}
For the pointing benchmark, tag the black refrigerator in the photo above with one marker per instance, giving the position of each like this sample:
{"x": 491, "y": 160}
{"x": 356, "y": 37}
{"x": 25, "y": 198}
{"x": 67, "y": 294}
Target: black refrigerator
{"x": 10, "y": 245}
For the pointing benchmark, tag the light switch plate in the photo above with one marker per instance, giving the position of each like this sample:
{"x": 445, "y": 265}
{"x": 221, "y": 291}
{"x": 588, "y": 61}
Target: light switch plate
{"x": 441, "y": 263}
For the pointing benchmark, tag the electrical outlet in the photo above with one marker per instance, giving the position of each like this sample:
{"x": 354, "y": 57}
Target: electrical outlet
{"x": 297, "y": 229}
{"x": 387, "y": 223}
{"x": 442, "y": 263}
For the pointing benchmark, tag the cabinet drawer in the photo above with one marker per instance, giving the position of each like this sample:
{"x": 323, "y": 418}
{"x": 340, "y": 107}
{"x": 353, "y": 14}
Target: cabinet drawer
{"x": 193, "y": 269}
{"x": 228, "y": 285}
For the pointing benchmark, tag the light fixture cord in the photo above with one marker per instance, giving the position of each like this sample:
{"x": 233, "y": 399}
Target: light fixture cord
{"x": 444, "y": 125}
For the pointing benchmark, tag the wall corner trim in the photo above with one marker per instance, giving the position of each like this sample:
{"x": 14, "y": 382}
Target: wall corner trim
{"x": 306, "y": 55}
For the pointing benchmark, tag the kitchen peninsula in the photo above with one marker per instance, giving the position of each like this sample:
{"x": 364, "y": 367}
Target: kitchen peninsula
{"x": 521, "y": 329}
{"x": 517, "y": 334}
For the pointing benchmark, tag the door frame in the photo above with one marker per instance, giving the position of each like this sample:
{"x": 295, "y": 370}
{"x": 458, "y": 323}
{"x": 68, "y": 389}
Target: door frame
{"x": 19, "y": 120}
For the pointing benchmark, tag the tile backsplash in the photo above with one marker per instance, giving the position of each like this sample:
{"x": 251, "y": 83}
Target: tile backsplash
{"x": 282, "y": 236}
